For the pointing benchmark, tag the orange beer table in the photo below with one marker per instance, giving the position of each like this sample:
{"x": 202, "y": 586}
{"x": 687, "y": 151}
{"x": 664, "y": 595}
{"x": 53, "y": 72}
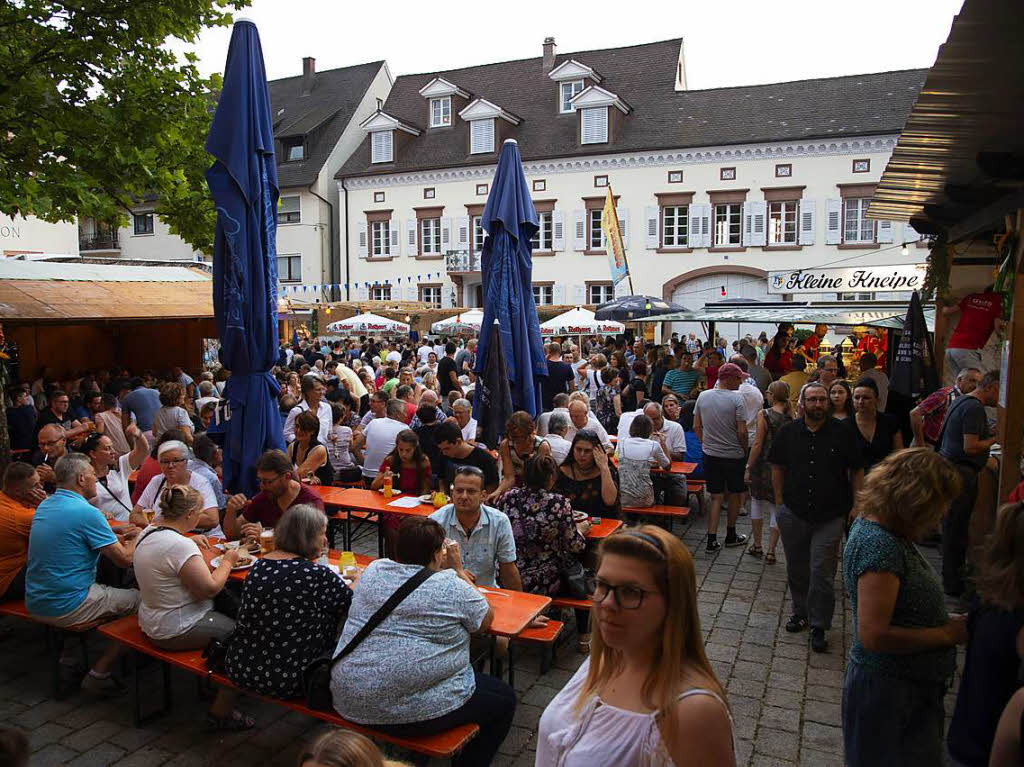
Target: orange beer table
{"x": 602, "y": 529}
{"x": 342, "y": 501}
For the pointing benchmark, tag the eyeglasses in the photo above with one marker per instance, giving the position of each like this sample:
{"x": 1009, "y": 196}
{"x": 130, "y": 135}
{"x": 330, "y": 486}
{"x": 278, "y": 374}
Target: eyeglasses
{"x": 264, "y": 481}
{"x": 171, "y": 461}
{"x": 626, "y": 596}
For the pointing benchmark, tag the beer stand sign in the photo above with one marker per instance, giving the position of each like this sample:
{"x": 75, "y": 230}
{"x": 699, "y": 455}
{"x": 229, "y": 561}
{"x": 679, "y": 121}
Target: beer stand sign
{"x": 894, "y": 278}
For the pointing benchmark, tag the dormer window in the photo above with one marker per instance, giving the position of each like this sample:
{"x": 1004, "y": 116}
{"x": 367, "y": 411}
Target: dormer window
{"x": 441, "y": 112}
{"x": 294, "y": 149}
{"x": 594, "y": 125}
{"x": 481, "y": 138}
{"x": 567, "y": 91}
{"x": 382, "y": 148}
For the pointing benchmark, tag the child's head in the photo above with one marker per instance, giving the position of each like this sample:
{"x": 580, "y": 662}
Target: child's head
{"x": 343, "y": 748}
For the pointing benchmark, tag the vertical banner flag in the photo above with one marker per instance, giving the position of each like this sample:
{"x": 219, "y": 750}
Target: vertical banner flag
{"x": 613, "y": 240}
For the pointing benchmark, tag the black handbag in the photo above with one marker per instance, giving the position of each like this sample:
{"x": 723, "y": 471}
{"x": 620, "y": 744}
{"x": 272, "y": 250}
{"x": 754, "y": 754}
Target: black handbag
{"x": 577, "y": 583}
{"x": 215, "y": 653}
{"x": 316, "y": 678}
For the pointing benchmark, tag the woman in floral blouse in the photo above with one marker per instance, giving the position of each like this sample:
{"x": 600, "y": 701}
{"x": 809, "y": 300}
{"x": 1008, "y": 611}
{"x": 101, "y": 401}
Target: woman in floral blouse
{"x": 588, "y": 479}
{"x": 546, "y": 537}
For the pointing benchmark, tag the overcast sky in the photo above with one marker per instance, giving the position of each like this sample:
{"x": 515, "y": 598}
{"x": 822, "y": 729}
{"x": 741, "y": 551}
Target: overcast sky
{"x": 727, "y": 43}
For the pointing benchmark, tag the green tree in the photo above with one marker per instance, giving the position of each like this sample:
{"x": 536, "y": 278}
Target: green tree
{"x": 98, "y": 112}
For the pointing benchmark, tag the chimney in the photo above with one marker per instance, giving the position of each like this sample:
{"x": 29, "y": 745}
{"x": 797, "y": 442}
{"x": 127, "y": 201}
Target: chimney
{"x": 308, "y": 75}
{"x": 549, "y": 54}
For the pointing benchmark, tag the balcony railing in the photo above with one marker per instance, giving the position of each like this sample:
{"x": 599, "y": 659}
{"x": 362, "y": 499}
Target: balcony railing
{"x": 456, "y": 261}
{"x": 98, "y": 241}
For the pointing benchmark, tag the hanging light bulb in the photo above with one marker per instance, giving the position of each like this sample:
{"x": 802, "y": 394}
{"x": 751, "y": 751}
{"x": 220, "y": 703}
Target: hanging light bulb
{"x": 723, "y": 291}
{"x": 328, "y": 309}
{"x": 904, "y": 250}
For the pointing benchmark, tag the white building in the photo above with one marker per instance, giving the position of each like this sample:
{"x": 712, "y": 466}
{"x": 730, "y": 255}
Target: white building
{"x": 714, "y": 188}
{"x": 19, "y": 235}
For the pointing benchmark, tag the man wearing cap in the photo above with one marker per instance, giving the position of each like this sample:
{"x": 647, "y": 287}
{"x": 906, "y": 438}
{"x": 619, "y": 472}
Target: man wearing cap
{"x": 720, "y": 423}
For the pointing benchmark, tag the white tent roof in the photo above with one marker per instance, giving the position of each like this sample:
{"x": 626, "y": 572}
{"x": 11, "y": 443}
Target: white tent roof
{"x": 577, "y": 322}
{"x": 469, "y": 319}
{"x": 368, "y": 323}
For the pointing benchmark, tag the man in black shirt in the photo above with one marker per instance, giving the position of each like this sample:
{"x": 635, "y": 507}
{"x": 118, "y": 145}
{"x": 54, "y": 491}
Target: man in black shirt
{"x": 447, "y": 374}
{"x": 816, "y": 473}
{"x": 457, "y": 452}
{"x": 561, "y": 377}
{"x": 965, "y": 440}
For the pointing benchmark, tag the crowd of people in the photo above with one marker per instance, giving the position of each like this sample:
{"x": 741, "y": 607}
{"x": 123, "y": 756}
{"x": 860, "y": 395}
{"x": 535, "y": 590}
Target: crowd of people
{"x": 783, "y": 431}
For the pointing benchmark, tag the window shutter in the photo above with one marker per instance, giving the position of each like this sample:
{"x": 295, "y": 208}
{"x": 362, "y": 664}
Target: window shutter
{"x": 833, "y": 222}
{"x": 410, "y": 293}
{"x": 624, "y": 226}
{"x": 446, "y": 233}
{"x": 700, "y": 225}
{"x": 885, "y": 233}
{"x": 748, "y": 223}
{"x": 758, "y": 232}
{"x": 410, "y": 240}
{"x": 807, "y": 224}
{"x": 579, "y": 294}
{"x": 579, "y": 222}
{"x": 481, "y": 136}
{"x": 594, "y": 125}
{"x": 622, "y": 288}
{"x": 393, "y": 228}
{"x": 557, "y": 231}
{"x": 462, "y": 225}
{"x": 362, "y": 292}
{"x": 693, "y": 236}
{"x": 910, "y": 234}
{"x": 363, "y": 249}
{"x": 653, "y": 216}
{"x": 381, "y": 149}
{"x": 446, "y": 297}
{"x": 558, "y": 294}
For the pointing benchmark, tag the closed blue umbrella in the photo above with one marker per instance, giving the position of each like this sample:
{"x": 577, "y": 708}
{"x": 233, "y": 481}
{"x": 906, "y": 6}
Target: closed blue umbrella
{"x": 243, "y": 183}
{"x": 506, "y": 269}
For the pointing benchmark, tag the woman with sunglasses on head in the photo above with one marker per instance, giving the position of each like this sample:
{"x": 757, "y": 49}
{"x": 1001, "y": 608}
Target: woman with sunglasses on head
{"x": 113, "y": 496}
{"x": 647, "y": 695}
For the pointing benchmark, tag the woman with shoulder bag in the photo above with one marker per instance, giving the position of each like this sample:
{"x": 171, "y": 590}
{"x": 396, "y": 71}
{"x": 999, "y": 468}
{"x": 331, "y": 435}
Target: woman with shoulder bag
{"x": 759, "y": 473}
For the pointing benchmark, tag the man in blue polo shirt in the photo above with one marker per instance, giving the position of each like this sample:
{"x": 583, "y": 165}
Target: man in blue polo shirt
{"x": 65, "y": 542}
{"x": 484, "y": 534}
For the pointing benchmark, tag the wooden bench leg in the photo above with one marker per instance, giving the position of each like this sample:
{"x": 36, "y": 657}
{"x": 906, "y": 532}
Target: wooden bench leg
{"x": 55, "y": 640}
{"x": 137, "y": 716}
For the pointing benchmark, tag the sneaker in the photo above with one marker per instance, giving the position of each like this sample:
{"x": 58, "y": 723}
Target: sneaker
{"x": 106, "y": 688}
{"x": 795, "y": 624}
{"x": 713, "y": 547}
{"x": 739, "y": 540}
{"x": 818, "y": 641}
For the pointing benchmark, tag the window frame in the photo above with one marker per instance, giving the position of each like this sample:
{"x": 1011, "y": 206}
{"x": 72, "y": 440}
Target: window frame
{"x": 682, "y": 239}
{"x": 446, "y": 119}
{"x": 423, "y": 295}
{"x": 380, "y": 293}
{"x": 861, "y": 204}
{"x": 147, "y": 230}
{"x": 562, "y": 101}
{"x": 282, "y": 216}
{"x": 735, "y": 208}
{"x": 853, "y": 296}
{"x": 289, "y": 144}
{"x": 477, "y": 125}
{"x": 539, "y": 239}
{"x": 594, "y": 228}
{"x": 542, "y": 291}
{"x": 783, "y": 243}
{"x": 375, "y": 158}
{"x": 475, "y": 224}
{"x": 607, "y": 130}
{"x": 606, "y": 289}
{"x": 384, "y": 229}
{"x": 434, "y": 225}
{"x": 289, "y": 257}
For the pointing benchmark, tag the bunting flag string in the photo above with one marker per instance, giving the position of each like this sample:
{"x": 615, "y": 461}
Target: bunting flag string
{"x": 292, "y": 289}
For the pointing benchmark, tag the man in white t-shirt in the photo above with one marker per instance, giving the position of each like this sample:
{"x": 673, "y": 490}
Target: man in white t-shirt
{"x": 462, "y": 412}
{"x": 558, "y": 426}
{"x": 394, "y": 355}
{"x": 580, "y": 418}
{"x": 424, "y": 352}
{"x": 381, "y": 434}
{"x": 173, "y": 458}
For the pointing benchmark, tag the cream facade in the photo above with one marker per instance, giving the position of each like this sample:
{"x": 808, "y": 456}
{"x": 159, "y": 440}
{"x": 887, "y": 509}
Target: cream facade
{"x": 695, "y": 222}
{"x": 19, "y": 234}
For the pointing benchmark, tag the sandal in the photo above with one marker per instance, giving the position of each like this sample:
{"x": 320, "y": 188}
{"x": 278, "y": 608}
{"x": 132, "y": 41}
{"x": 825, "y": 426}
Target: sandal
{"x": 755, "y": 550}
{"x": 769, "y": 558}
{"x": 235, "y": 721}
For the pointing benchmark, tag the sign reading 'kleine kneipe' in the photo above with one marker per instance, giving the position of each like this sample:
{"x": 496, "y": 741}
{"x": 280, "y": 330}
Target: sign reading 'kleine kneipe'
{"x": 893, "y": 278}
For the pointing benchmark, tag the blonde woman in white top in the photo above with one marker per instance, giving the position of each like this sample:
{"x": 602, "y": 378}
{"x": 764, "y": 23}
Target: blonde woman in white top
{"x": 647, "y": 695}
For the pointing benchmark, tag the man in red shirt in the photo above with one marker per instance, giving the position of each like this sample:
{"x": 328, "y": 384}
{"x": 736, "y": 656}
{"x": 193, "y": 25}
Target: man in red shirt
{"x": 279, "y": 492}
{"x": 813, "y": 341}
{"x": 980, "y": 314}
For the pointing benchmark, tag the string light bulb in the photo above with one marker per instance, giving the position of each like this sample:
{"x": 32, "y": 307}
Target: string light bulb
{"x": 904, "y": 250}
{"x": 723, "y": 291}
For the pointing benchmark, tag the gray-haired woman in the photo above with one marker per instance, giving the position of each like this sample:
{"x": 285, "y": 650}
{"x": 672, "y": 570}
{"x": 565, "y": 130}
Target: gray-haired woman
{"x": 291, "y": 608}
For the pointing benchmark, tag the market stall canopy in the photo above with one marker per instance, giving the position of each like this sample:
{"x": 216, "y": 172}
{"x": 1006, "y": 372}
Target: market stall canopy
{"x": 579, "y": 322}
{"x": 62, "y": 291}
{"x": 884, "y": 316}
{"x": 634, "y": 308}
{"x": 467, "y": 322}
{"x": 368, "y": 323}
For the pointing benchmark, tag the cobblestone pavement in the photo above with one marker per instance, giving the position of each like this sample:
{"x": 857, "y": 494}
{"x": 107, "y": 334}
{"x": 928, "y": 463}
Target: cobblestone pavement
{"x": 785, "y": 699}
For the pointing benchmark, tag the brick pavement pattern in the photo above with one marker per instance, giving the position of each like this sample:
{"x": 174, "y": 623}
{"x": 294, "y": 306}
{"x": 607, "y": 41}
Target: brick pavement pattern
{"x": 785, "y": 699}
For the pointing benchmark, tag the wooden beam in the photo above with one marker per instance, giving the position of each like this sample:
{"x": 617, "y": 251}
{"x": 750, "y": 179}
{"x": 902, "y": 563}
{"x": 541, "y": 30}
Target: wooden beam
{"x": 1011, "y": 418}
{"x": 986, "y": 218}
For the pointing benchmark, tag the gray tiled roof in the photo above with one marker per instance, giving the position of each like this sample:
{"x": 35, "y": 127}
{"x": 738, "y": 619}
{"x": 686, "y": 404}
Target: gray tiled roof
{"x": 661, "y": 118}
{"x": 322, "y": 115}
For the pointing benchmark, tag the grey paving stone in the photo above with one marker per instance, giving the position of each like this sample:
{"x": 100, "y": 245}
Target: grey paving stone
{"x": 517, "y": 740}
{"x": 784, "y": 698}
{"x": 755, "y": 653}
{"x": 783, "y": 681}
{"x": 823, "y": 713}
{"x": 777, "y": 718}
{"x": 811, "y": 757}
{"x": 723, "y": 652}
{"x": 87, "y": 737}
{"x": 823, "y": 737}
{"x": 777, "y": 744}
{"x": 145, "y": 757}
{"x": 823, "y": 693}
{"x": 45, "y": 734}
{"x": 41, "y": 713}
{"x": 101, "y": 755}
{"x": 52, "y": 754}
{"x": 527, "y": 716}
{"x": 743, "y": 669}
{"x": 763, "y": 760}
{"x": 539, "y": 695}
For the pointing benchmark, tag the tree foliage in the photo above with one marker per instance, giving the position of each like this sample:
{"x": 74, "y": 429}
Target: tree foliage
{"x": 97, "y": 112}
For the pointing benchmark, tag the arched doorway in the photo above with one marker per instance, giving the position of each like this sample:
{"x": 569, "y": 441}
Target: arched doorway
{"x": 693, "y": 289}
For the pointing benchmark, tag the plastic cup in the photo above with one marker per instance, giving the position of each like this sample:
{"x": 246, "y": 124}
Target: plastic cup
{"x": 267, "y": 541}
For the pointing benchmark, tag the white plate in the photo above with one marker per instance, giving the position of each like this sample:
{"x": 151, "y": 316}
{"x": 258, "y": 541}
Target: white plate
{"x": 215, "y": 562}
{"x": 428, "y": 498}
{"x": 580, "y": 516}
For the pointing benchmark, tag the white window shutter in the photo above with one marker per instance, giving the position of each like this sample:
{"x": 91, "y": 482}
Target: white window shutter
{"x": 885, "y": 231}
{"x": 446, "y": 233}
{"x": 363, "y": 249}
{"x": 394, "y": 237}
{"x": 462, "y": 225}
{"x": 622, "y": 288}
{"x": 653, "y": 216}
{"x": 558, "y": 231}
{"x": 704, "y": 211}
{"x": 579, "y": 294}
{"x": 481, "y": 136}
{"x": 446, "y": 297}
{"x": 410, "y": 237}
{"x": 558, "y": 295}
{"x": 693, "y": 236}
{"x": 594, "y": 125}
{"x": 579, "y": 223}
{"x": 624, "y": 226}
{"x": 758, "y": 232}
{"x": 833, "y": 222}
{"x": 748, "y": 223}
{"x": 910, "y": 234}
{"x": 807, "y": 223}
{"x": 362, "y": 292}
{"x": 410, "y": 292}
